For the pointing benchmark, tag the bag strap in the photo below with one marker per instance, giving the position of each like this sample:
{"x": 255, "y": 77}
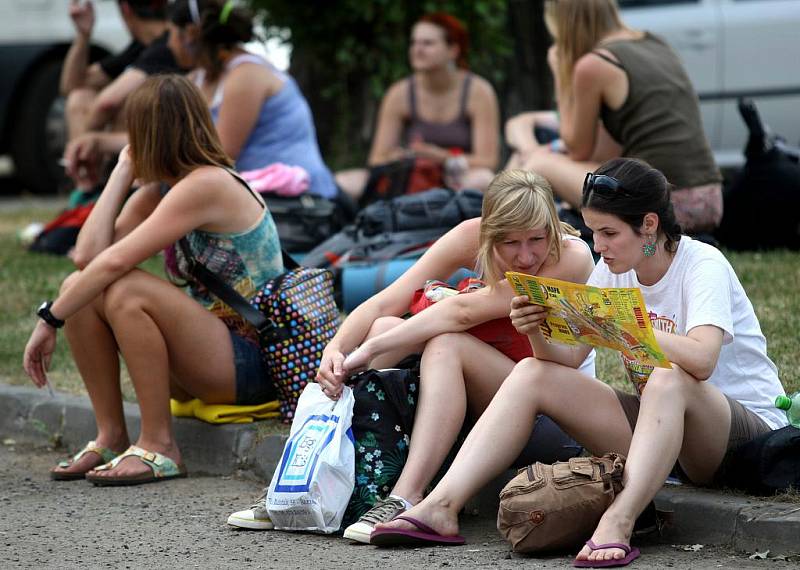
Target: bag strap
{"x": 228, "y": 295}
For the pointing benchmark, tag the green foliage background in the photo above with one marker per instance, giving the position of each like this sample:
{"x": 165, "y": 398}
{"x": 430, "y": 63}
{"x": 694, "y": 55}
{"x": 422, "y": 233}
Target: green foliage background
{"x": 347, "y": 53}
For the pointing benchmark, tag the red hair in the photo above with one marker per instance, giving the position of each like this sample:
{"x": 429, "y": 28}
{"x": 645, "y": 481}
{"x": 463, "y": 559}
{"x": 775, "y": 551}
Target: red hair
{"x": 454, "y": 33}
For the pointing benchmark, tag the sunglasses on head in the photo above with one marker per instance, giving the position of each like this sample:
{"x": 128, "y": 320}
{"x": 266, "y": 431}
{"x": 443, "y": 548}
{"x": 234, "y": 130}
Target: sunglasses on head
{"x": 605, "y": 185}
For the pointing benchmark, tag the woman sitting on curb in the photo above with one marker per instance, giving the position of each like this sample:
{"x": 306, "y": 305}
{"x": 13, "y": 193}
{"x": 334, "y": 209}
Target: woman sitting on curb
{"x": 718, "y": 395}
{"x": 460, "y": 372}
{"x": 611, "y": 79}
{"x": 111, "y": 307}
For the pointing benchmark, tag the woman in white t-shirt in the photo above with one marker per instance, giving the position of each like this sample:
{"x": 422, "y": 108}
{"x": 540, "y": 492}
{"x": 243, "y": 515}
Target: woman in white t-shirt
{"x": 717, "y": 395}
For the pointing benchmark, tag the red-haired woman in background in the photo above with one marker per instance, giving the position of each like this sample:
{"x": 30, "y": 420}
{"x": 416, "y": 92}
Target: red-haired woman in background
{"x": 440, "y": 107}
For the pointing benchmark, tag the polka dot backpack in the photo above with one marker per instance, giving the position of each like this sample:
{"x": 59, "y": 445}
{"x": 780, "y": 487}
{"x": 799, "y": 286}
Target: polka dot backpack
{"x": 295, "y": 315}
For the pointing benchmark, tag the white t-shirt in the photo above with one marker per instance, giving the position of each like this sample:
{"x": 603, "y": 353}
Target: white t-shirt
{"x": 701, "y": 288}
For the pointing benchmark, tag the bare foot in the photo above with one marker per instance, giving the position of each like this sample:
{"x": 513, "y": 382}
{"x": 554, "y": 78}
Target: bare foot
{"x": 609, "y": 530}
{"x": 438, "y": 517}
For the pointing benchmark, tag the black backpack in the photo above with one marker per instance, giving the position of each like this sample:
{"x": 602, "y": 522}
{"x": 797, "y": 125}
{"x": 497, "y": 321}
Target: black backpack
{"x": 768, "y": 464}
{"x": 762, "y": 205}
{"x": 383, "y": 416}
{"x": 390, "y": 228}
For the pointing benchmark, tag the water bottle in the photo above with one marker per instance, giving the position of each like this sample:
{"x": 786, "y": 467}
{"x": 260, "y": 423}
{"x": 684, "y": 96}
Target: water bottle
{"x": 455, "y": 169}
{"x": 791, "y": 405}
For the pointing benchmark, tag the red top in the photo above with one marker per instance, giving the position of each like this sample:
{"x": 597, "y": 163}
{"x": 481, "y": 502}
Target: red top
{"x": 498, "y": 333}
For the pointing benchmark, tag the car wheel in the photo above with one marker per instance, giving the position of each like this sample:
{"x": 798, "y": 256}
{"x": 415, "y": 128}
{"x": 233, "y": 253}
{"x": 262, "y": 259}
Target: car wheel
{"x": 39, "y": 131}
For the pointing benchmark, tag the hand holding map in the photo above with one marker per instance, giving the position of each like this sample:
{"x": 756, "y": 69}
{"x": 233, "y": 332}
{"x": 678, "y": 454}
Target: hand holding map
{"x": 615, "y": 318}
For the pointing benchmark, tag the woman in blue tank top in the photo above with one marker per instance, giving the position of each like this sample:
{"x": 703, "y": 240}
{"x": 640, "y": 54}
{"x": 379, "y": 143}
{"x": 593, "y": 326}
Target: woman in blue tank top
{"x": 112, "y": 308}
{"x": 260, "y": 114}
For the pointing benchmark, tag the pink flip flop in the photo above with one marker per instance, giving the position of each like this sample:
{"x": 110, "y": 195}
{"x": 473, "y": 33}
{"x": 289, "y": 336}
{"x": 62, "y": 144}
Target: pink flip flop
{"x": 425, "y": 536}
{"x": 631, "y": 554}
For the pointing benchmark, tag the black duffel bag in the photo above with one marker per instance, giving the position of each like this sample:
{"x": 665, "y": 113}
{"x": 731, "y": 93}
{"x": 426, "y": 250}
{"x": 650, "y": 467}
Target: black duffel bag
{"x": 768, "y": 464}
{"x": 305, "y": 221}
{"x": 435, "y": 208}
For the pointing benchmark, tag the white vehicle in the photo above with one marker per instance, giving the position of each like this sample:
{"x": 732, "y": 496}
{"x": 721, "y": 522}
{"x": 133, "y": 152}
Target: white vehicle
{"x": 34, "y": 38}
{"x": 732, "y": 49}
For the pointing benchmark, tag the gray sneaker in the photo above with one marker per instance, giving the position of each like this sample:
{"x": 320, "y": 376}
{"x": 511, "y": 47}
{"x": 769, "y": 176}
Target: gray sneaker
{"x": 383, "y": 511}
{"x": 254, "y": 518}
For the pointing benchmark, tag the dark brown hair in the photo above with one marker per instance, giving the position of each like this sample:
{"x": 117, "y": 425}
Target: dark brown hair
{"x": 644, "y": 190}
{"x": 170, "y": 130}
{"x": 454, "y": 33}
{"x": 215, "y": 35}
{"x": 147, "y": 9}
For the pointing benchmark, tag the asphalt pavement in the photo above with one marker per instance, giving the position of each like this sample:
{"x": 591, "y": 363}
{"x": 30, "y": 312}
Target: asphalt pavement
{"x": 181, "y": 524}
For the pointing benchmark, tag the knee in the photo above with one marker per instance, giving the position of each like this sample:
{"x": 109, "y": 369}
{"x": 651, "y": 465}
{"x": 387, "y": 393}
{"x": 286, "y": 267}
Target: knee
{"x": 79, "y": 100}
{"x": 668, "y": 383}
{"x": 478, "y": 178}
{"x": 450, "y": 342}
{"x": 124, "y": 295}
{"x": 383, "y": 324}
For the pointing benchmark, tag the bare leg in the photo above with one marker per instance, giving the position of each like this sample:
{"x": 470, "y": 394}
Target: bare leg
{"x": 584, "y": 407}
{"x": 564, "y": 174}
{"x": 680, "y": 418}
{"x": 352, "y": 181}
{"x": 149, "y": 317}
{"x": 94, "y": 349}
{"x": 478, "y": 179}
{"x": 442, "y": 405}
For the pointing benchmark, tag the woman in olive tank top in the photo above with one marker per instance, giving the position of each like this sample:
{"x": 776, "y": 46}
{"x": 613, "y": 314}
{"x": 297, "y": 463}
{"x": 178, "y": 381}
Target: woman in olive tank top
{"x": 440, "y": 107}
{"x": 620, "y": 92}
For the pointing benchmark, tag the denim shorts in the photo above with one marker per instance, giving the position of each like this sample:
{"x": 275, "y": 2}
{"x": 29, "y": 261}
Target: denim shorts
{"x": 253, "y": 383}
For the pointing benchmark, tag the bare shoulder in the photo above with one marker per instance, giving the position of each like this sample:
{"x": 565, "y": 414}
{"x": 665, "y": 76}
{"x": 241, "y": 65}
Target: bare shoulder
{"x": 575, "y": 264}
{"x": 253, "y": 77}
{"x": 396, "y": 97}
{"x": 592, "y": 68}
{"x": 481, "y": 87}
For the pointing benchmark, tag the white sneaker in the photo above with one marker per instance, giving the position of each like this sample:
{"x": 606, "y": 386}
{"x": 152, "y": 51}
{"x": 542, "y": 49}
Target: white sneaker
{"x": 383, "y": 511}
{"x": 254, "y": 518}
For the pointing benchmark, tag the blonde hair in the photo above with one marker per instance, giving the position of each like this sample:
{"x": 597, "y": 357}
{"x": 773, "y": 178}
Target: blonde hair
{"x": 577, "y": 26}
{"x": 517, "y": 200}
{"x": 170, "y": 130}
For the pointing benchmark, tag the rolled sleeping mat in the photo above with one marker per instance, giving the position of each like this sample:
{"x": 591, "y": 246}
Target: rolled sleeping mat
{"x": 361, "y": 281}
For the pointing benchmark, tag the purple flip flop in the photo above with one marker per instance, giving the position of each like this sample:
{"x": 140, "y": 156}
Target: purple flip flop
{"x": 631, "y": 554}
{"x": 422, "y": 537}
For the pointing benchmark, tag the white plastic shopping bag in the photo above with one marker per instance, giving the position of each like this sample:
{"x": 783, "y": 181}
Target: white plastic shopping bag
{"x": 313, "y": 482}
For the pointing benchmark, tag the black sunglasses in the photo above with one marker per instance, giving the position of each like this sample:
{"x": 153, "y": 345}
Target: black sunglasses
{"x": 606, "y": 185}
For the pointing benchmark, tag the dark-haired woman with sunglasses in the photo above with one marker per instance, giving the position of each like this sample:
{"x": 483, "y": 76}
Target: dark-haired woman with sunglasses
{"x": 717, "y": 395}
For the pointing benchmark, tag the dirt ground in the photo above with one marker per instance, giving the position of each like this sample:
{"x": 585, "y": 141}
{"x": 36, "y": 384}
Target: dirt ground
{"x": 181, "y": 524}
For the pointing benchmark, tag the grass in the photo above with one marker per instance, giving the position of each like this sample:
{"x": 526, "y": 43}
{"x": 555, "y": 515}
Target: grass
{"x": 771, "y": 280}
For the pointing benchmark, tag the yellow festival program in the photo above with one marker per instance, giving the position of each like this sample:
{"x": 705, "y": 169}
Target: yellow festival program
{"x": 615, "y": 318}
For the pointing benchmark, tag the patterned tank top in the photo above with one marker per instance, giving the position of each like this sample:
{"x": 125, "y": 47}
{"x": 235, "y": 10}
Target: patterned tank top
{"x": 244, "y": 260}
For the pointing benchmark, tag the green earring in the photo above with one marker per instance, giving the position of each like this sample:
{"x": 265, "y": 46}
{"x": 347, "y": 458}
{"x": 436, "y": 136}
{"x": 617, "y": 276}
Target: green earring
{"x": 649, "y": 247}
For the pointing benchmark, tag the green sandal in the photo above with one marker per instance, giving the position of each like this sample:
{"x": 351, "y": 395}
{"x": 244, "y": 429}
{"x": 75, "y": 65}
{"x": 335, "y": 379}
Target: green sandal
{"x": 105, "y": 454}
{"x": 161, "y": 466}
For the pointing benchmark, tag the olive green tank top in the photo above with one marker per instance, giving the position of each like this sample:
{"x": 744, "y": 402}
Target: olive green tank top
{"x": 660, "y": 120}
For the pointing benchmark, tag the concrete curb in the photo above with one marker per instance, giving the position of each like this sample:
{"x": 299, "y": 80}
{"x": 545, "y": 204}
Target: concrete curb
{"x": 699, "y": 516}
{"x": 30, "y": 416}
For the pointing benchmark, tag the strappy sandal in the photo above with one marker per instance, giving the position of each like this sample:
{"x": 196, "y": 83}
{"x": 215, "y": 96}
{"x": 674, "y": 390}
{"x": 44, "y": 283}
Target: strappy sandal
{"x": 161, "y": 469}
{"x": 105, "y": 454}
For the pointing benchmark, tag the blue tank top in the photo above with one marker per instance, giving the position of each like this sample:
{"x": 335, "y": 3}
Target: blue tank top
{"x": 284, "y": 131}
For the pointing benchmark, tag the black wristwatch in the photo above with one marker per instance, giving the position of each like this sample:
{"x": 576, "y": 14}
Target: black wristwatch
{"x": 44, "y": 313}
